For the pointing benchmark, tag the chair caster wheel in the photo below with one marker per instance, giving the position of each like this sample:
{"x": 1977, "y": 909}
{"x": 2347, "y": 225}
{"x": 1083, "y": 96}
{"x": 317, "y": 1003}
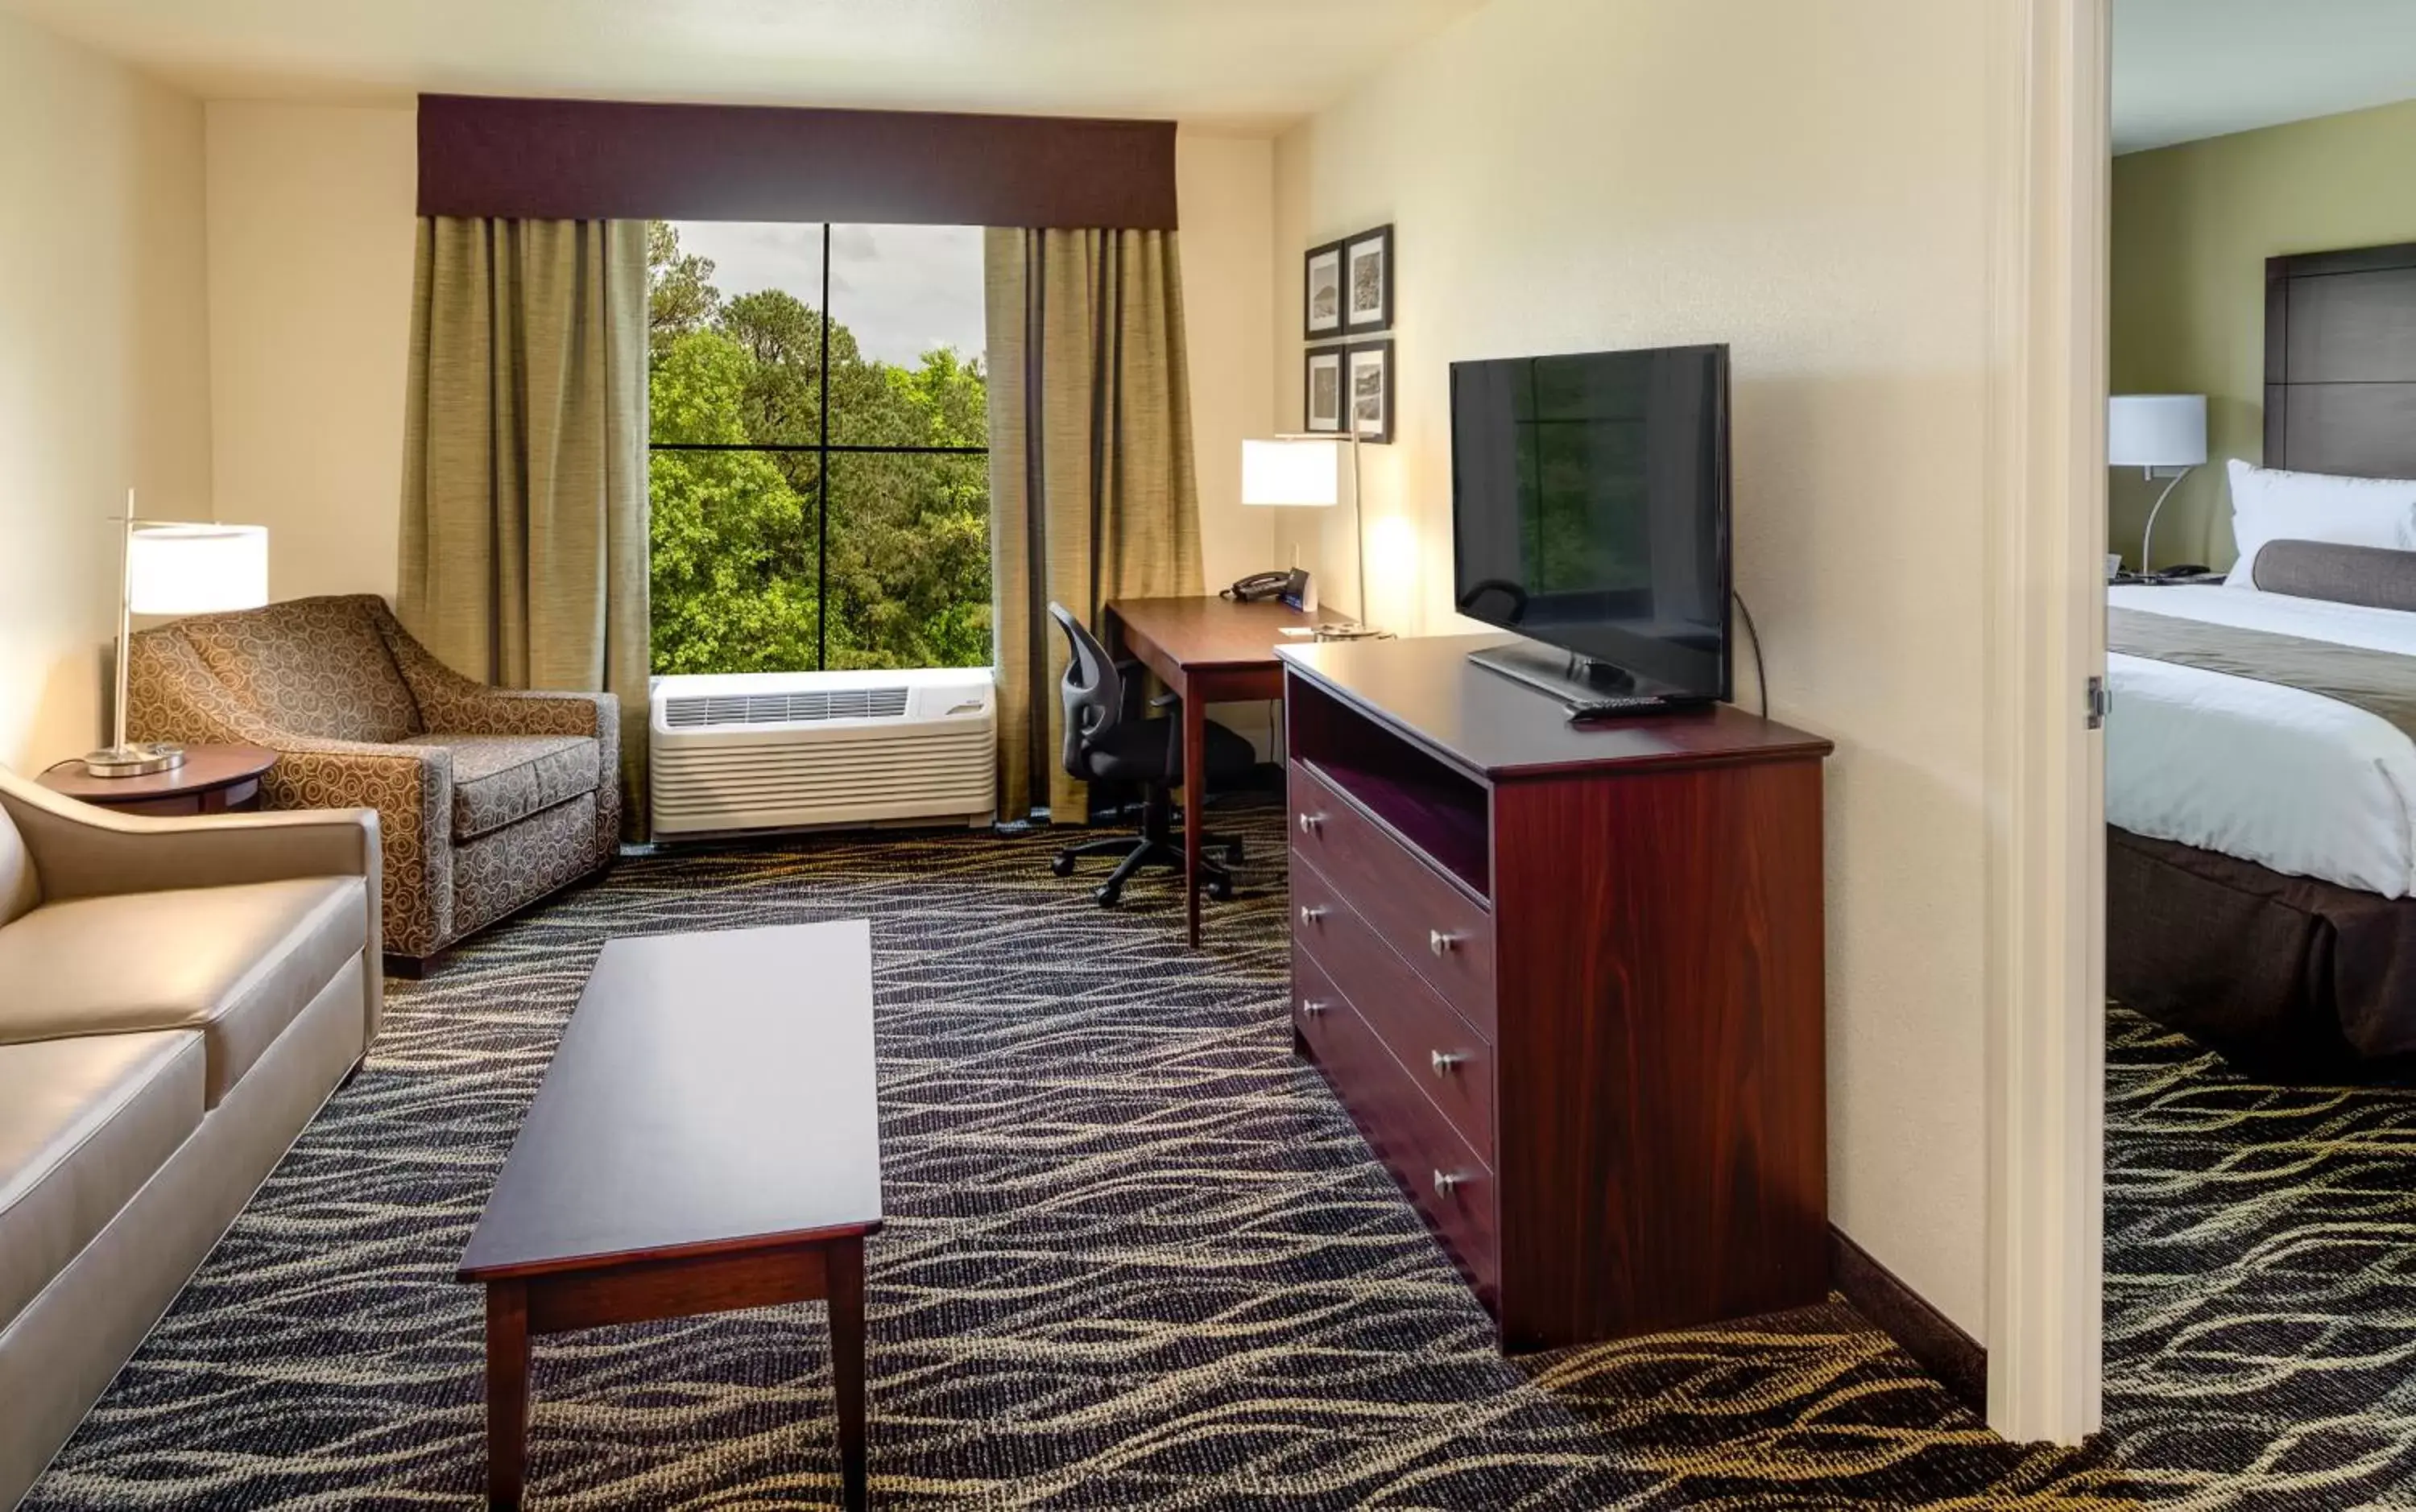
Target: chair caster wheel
{"x": 1107, "y": 895}
{"x": 1061, "y": 865}
{"x": 1220, "y": 888}
{"x": 1233, "y": 856}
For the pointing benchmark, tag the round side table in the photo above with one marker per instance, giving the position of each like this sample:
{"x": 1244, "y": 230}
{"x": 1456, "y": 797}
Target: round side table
{"x": 214, "y": 779}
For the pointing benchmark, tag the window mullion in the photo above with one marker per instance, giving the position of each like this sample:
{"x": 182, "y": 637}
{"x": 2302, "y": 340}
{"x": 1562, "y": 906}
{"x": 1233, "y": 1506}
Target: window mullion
{"x": 822, "y": 478}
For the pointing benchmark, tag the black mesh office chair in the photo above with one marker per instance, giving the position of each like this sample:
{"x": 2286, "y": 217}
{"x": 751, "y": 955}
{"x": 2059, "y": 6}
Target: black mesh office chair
{"x": 1105, "y": 742}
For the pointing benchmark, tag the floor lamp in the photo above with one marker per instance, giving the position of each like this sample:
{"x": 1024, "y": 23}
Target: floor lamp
{"x": 166, "y": 567}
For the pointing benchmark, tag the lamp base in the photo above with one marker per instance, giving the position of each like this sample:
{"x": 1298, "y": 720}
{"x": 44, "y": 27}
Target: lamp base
{"x": 137, "y": 760}
{"x": 1343, "y": 630}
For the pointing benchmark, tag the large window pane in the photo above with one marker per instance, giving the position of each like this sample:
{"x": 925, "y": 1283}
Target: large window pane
{"x": 908, "y": 302}
{"x": 909, "y": 560}
{"x": 758, "y": 288}
{"x": 799, "y": 523}
{"x": 735, "y": 571}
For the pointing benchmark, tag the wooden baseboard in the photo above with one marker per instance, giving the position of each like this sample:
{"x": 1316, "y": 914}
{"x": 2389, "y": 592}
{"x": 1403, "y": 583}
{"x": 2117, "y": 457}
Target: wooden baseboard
{"x": 1960, "y": 1361}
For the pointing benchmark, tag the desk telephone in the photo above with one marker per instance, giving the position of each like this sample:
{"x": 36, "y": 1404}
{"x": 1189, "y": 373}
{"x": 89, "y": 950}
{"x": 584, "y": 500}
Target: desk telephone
{"x": 1290, "y": 585}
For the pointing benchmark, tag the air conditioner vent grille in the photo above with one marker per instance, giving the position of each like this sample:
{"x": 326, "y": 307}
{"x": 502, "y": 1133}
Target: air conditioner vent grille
{"x": 715, "y": 711}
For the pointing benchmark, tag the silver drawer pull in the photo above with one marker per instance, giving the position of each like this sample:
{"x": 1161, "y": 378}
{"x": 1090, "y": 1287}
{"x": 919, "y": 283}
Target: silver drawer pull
{"x": 1441, "y": 942}
{"x": 1445, "y": 1063}
{"x": 1309, "y": 915}
{"x": 1311, "y": 823}
{"x": 1447, "y": 1182}
{"x": 1314, "y": 1007}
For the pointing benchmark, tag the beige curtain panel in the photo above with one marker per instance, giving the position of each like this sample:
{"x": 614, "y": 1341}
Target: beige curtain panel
{"x": 1093, "y": 494}
{"x": 524, "y": 515}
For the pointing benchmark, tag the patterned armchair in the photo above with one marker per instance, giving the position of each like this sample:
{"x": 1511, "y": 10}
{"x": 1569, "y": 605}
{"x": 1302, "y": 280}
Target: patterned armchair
{"x": 488, "y": 800}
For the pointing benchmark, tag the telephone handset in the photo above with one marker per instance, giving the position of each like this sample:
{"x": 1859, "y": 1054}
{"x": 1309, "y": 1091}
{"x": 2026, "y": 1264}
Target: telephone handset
{"x": 1292, "y": 586}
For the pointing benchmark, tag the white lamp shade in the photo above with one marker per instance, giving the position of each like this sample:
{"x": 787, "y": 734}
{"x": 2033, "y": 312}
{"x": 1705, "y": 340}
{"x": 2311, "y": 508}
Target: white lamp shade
{"x": 1306, "y": 473}
{"x": 2155, "y": 430}
{"x": 196, "y": 569}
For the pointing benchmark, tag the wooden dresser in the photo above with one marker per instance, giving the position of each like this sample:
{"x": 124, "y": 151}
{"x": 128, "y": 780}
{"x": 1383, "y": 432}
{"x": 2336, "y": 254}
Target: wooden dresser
{"x": 1568, "y": 983}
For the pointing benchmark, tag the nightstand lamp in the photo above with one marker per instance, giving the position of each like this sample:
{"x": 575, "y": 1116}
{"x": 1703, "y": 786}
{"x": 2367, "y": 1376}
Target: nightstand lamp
{"x": 167, "y": 567}
{"x": 2161, "y": 434}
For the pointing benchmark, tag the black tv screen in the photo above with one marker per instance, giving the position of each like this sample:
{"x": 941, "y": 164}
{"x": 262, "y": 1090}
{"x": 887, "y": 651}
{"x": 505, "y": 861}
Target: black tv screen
{"x": 1589, "y": 508}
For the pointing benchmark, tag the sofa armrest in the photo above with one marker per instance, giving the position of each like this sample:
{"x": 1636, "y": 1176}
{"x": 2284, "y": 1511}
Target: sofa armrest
{"x": 452, "y": 704}
{"x": 483, "y": 711}
{"x": 82, "y": 851}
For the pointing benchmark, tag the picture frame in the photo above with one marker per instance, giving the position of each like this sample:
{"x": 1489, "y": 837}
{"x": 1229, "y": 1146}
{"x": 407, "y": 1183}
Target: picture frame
{"x": 1367, "y": 281}
{"x": 1322, "y": 380}
{"x": 1367, "y": 377}
{"x": 1322, "y": 293}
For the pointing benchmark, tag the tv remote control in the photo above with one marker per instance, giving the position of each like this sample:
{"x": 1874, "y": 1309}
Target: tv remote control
{"x": 1612, "y": 708}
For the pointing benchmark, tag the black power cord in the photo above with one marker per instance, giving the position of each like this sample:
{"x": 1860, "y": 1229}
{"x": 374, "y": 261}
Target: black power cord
{"x": 1759, "y": 680}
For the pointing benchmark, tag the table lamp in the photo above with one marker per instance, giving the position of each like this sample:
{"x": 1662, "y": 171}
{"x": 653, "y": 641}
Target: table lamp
{"x": 166, "y": 567}
{"x": 1305, "y": 473}
{"x": 2161, "y": 434}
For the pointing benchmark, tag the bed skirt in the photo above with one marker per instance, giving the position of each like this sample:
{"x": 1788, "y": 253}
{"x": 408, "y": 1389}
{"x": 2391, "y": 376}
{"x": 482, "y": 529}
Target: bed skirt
{"x": 2273, "y": 970}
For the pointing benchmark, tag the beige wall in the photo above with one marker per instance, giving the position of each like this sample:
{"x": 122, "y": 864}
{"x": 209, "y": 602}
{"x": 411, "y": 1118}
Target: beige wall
{"x": 1808, "y": 184}
{"x": 310, "y": 220}
{"x": 103, "y": 364}
{"x": 1226, "y": 186}
{"x": 311, "y": 216}
{"x": 2193, "y": 226}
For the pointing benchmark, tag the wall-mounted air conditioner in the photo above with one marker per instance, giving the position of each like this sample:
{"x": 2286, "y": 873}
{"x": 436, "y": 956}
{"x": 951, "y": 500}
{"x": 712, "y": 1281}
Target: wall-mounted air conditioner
{"x": 797, "y": 750}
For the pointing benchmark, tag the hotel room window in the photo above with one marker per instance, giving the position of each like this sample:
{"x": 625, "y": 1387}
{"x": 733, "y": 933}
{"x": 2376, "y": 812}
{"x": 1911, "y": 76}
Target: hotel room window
{"x": 821, "y": 486}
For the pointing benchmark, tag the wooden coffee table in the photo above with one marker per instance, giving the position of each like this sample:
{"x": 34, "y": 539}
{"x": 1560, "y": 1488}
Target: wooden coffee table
{"x": 708, "y": 1138}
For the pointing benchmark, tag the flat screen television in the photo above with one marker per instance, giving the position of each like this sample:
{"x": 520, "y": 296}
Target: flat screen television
{"x": 1590, "y": 513}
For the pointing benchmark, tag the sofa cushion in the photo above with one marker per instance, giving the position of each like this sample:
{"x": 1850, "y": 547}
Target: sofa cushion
{"x": 502, "y": 779}
{"x": 20, "y": 890}
{"x": 237, "y": 963}
{"x": 84, "y": 1124}
{"x": 314, "y": 666}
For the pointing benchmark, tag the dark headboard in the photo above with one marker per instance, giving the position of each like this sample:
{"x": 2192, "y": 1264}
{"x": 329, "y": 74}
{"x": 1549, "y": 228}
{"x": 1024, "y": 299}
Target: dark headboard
{"x": 2340, "y": 361}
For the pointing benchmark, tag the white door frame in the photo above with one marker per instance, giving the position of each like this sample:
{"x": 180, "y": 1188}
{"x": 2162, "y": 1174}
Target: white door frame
{"x": 2046, "y": 638}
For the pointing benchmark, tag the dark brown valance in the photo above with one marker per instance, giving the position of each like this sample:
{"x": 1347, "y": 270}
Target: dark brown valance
{"x": 566, "y": 159}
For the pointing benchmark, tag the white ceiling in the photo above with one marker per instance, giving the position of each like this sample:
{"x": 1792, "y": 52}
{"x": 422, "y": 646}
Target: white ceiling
{"x": 1231, "y": 63}
{"x": 2190, "y": 68}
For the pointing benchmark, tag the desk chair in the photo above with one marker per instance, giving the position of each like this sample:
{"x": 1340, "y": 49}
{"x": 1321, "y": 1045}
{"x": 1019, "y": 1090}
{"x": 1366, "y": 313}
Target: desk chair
{"x": 1104, "y": 744}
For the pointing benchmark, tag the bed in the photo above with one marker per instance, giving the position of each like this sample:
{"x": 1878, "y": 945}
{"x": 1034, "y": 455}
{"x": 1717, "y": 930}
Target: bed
{"x": 2262, "y": 857}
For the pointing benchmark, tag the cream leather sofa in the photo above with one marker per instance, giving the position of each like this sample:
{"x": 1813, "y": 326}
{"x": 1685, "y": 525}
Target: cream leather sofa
{"x": 177, "y": 998}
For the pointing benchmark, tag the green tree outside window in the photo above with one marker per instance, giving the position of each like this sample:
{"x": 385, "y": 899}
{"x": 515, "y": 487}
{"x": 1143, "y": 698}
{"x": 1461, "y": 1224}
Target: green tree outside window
{"x": 738, "y": 543}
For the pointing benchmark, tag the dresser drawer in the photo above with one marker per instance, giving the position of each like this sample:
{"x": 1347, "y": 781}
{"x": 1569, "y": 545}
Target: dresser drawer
{"x": 1441, "y": 1051}
{"x": 1444, "y": 934}
{"x": 1450, "y": 1186}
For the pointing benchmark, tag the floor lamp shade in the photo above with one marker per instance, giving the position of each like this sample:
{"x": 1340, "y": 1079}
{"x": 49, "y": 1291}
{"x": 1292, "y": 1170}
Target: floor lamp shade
{"x": 2155, "y": 430}
{"x": 196, "y": 569}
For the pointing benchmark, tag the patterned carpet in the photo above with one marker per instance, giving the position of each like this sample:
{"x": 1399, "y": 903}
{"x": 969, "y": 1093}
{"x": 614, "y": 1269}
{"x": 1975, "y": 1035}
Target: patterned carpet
{"x": 1138, "y": 1258}
{"x": 2260, "y": 1287}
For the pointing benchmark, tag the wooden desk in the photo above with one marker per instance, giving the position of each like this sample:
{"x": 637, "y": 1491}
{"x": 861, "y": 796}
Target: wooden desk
{"x": 1208, "y": 650}
{"x": 708, "y": 1137}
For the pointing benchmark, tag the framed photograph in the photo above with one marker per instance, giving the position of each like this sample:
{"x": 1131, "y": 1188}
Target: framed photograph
{"x": 1367, "y": 282}
{"x": 1367, "y": 373}
{"x": 1321, "y": 315}
{"x": 1321, "y": 390}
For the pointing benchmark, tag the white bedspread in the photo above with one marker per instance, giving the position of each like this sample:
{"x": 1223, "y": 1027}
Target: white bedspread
{"x": 2286, "y": 778}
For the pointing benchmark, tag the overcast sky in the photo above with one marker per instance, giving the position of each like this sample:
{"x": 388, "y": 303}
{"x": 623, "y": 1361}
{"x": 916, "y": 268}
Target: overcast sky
{"x": 902, "y": 290}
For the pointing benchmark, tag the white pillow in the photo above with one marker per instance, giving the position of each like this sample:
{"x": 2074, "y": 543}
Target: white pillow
{"x": 2268, "y": 504}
